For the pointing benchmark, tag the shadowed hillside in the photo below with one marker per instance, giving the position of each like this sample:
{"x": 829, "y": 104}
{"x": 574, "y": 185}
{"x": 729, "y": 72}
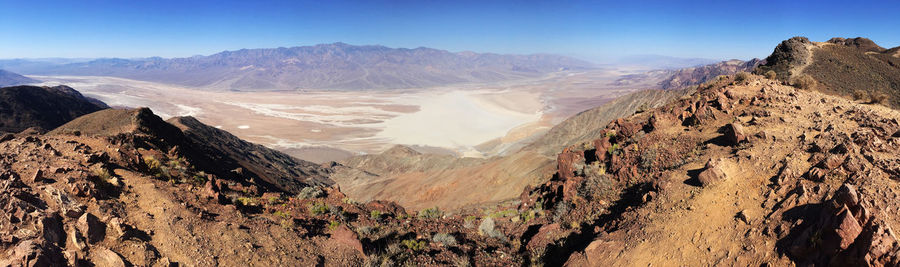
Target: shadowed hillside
{"x": 855, "y": 67}
{"x": 45, "y": 108}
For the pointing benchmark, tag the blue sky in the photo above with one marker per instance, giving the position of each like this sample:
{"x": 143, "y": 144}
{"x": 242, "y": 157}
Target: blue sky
{"x": 594, "y": 30}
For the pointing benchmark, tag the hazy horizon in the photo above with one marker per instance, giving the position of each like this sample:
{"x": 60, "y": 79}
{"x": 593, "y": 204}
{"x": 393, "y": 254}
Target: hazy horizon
{"x": 594, "y": 31}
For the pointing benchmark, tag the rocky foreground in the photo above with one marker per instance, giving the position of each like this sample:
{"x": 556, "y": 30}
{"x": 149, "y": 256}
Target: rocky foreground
{"x": 746, "y": 171}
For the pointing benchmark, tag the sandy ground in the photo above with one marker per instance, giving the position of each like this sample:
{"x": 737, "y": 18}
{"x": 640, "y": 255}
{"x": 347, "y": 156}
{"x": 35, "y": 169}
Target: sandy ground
{"x": 329, "y": 125}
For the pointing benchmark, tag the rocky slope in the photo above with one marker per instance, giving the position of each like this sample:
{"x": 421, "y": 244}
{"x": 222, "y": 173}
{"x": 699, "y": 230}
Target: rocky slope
{"x": 211, "y": 150}
{"x": 324, "y": 66}
{"x": 697, "y": 75}
{"x": 747, "y": 172}
{"x": 9, "y": 79}
{"x": 43, "y": 108}
{"x": 754, "y": 173}
{"x": 855, "y": 67}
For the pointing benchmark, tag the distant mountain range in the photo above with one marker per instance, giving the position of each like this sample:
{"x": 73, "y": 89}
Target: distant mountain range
{"x": 324, "y": 66}
{"x": 10, "y": 79}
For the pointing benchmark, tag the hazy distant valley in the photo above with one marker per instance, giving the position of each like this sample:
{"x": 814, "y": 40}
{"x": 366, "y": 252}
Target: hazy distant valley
{"x": 476, "y": 120}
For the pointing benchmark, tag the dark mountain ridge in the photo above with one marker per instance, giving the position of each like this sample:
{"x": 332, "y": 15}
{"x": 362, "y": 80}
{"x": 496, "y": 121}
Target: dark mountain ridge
{"x": 23, "y": 107}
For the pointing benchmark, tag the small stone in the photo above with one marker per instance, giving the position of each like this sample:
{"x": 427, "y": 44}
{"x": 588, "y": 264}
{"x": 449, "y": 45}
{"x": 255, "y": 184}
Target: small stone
{"x": 711, "y": 174}
{"x": 103, "y": 257}
{"x": 38, "y": 176}
{"x": 742, "y": 215}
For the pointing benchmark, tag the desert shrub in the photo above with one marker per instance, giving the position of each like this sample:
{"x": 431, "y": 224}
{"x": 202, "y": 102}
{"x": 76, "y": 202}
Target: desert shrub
{"x": 469, "y": 222}
{"x": 741, "y": 76}
{"x": 529, "y": 215}
{"x": 333, "y": 225}
{"x": 560, "y": 211}
{"x": 860, "y": 95}
{"x": 375, "y": 215}
{"x": 246, "y": 201}
{"x": 414, "y": 245}
{"x": 287, "y": 223}
{"x": 282, "y": 214}
{"x": 878, "y": 98}
{"x": 487, "y": 228}
{"x": 444, "y": 238}
{"x": 804, "y": 82}
{"x": 431, "y": 213}
{"x": 595, "y": 187}
{"x": 310, "y": 192}
{"x": 504, "y": 213}
{"x": 771, "y": 75}
{"x": 611, "y": 134}
{"x": 318, "y": 208}
{"x": 366, "y": 230}
{"x": 613, "y": 149}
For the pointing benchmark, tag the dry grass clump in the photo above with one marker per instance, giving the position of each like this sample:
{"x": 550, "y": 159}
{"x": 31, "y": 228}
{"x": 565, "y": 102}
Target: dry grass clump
{"x": 804, "y": 82}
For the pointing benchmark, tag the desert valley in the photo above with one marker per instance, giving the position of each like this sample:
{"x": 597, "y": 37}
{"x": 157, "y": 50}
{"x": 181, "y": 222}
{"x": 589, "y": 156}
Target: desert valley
{"x": 337, "y": 154}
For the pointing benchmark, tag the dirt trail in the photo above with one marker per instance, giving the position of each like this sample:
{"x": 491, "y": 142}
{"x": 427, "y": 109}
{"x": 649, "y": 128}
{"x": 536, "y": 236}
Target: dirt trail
{"x": 740, "y": 220}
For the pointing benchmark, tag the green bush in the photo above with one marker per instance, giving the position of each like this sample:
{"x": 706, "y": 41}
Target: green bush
{"x": 771, "y": 75}
{"x": 444, "y": 238}
{"x": 318, "y": 208}
{"x": 487, "y": 228}
{"x": 414, "y": 245}
{"x": 431, "y": 213}
{"x": 804, "y": 82}
{"x": 741, "y": 76}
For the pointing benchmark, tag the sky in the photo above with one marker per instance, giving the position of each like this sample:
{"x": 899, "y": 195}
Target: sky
{"x": 592, "y": 30}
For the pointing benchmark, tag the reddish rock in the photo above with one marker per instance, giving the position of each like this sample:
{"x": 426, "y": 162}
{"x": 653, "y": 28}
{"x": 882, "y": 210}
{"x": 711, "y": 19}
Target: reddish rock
{"x": 712, "y": 173}
{"x": 32, "y": 253}
{"x": 547, "y": 234}
{"x": 346, "y": 237}
{"x": 566, "y": 163}
{"x": 81, "y": 188}
{"x": 103, "y": 257}
{"x": 570, "y": 187}
{"x": 52, "y": 229}
{"x": 601, "y": 147}
{"x": 846, "y": 195}
{"x": 817, "y": 174}
{"x": 38, "y": 176}
{"x": 734, "y": 133}
{"x": 91, "y": 227}
{"x": 119, "y": 228}
{"x": 390, "y": 206}
{"x": 847, "y": 228}
{"x": 832, "y": 161}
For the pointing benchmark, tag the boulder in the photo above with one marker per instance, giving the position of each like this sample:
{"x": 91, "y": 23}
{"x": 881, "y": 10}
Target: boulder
{"x": 832, "y": 161}
{"x": 52, "y": 229}
{"x": 712, "y": 173}
{"x": 817, "y": 174}
{"x": 119, "y": 228}
{"x": 601, "y": 147}
{"x": 346, "y": 237}
{"x": 38, "y": 176}
{"x": 566, "y": 163}
{"x": 734, "y": 133}
{"x": 103, "y": 257}
{"x": 32, "y": 253}
{"x": 847, "y": 228}
{"x": 91, "y": 227}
